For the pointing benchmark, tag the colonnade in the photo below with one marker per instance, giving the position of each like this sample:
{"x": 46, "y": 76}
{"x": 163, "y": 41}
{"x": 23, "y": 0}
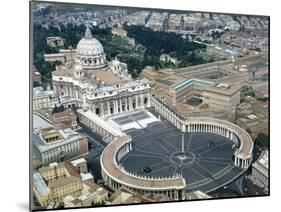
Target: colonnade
{"x": 125, "y": 149}
{"x": 242, "y": 155}
{"x": 172, "y": 194}
{"x": 241, "y": 162}
{"x": 97, "y": 125}
{"x": 116, "y": 176}
{"x": 211, "y": 128}
{"x": 168, "y": 114}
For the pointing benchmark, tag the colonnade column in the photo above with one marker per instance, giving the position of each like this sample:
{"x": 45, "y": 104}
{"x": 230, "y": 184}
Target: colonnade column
{"x": 120, "y": 105}
{"x": 93, "y": 108}
{"x": 126, "y": 104}
{"x": 101, "y": 109}
{"x": 148, "y": 100}
{"x": 108, "y": 108}
{"x": 142, "y": 101}
{"x": 137, "y": 101}
{"x": 130, "y": 104}
{"x": 115, "y": 106}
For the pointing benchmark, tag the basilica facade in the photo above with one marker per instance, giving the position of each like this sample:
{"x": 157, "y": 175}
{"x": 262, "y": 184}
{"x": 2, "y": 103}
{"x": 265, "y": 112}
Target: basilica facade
{"x": 93, "y": 83}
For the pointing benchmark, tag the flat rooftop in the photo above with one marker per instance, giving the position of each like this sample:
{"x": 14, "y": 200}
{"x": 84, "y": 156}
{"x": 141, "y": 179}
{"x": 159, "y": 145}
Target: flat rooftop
{"x": 63, "y": 181}
{"x": 40, "y": 185}
{"x": 107, "y": 77}
{"x": 78, "y": 161}
{"x": 188, "y": 81}
{"x": 227, "y": 91}
{"x": 66, "y": 137}
{"x": 40, "y": 123}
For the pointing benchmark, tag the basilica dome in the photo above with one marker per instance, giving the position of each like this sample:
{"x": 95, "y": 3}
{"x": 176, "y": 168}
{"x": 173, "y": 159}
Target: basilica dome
{"x": 89, "y": 52}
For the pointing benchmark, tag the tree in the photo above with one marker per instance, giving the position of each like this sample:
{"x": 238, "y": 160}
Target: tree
{"x": 212, "y": 59}
{"x": 58, "y": 109}
{"x": 262, "y": 141}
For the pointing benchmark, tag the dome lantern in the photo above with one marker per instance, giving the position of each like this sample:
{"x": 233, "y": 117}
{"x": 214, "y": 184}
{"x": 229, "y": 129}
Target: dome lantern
{"x": 88, "y": 33}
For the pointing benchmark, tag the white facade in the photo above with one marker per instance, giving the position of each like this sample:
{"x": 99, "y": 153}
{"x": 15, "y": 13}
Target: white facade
{"x": 43, "y": 99}
{"x": 260, "y": 175}
{"x": 68, "y": 145}
{"x": 103, "y": 87}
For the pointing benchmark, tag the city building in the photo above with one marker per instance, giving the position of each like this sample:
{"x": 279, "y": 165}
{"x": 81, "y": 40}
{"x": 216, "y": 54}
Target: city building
{"x": 194, "y": 96}
{"x": 126, "y": 196}
{"x": 55, "y": 41}
{"x": 175, "y": 22}
{"x": 64, "y": 187}
{"x": 41, "y": 190}
{"x": 43, "y": 99}
{"x": 119, "y": 31}
{"x": 168, "y": 58}
{"x": 260, "y": 172}
{"x": 197, "y": 195}
{"x": 81, "y": 165}
{"x": 53, "y": 171}
{"x": 222, "y": 96}
{"x": 36, "y": 76}
{"x": 65, "y": 119}
{"x": 100, "y": 194}
{"x": 72, "y": 202}
{"x": 252, "y": 115}
{"x": 61, "y": 182}
{"x": 222, "y": 52}
{"x": 92, "y": 194}
{"x": 156, "y": 21}
{"x": 244, "y": 109}
{"x": 136, "y": 18}
{"x": 87, "y": 177}
{"x": 232, "y": 25}
{"x": 52, "y": 145}
{"x": 191, "y": 24}
{"x": 64, "y": 55}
